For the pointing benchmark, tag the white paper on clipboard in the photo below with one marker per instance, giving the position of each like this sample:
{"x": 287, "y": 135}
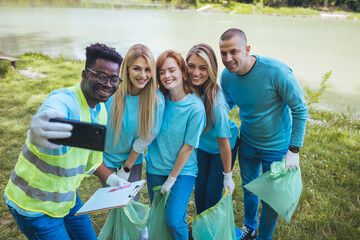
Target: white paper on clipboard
{"x": 102, "y": 199}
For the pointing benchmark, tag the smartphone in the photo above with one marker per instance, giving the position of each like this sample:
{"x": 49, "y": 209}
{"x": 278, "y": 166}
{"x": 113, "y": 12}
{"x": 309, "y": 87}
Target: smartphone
{"x": 84, "y": 135}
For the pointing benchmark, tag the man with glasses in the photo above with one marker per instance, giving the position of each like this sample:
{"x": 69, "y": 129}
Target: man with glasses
{"x": 42, "y": 191}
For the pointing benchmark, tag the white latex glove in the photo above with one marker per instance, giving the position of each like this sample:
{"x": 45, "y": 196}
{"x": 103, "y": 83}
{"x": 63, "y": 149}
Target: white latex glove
{"x": 167, "y": 185}
{"x": 41, "y": 129}
{"x": 229, "y": 182}
{"x": 291, "y": 161}
{"x": 122, "y": 174}
{"x": 114, "y": 180}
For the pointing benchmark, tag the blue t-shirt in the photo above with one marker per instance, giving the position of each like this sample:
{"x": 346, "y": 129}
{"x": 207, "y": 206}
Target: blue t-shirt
{"x": 115, "y": 156}
{"x": 273, "y": 111}
{"x": 65, "y": 101}
{"x": 223, "y": 127}
{"x": 184, "y": 122}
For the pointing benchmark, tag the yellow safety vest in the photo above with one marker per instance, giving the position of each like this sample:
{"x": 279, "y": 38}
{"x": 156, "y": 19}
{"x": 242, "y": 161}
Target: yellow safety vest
{"x": 48, "y": 184}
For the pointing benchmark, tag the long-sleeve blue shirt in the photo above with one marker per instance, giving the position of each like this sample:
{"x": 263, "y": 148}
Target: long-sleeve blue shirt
{"x": 273, "y": 111}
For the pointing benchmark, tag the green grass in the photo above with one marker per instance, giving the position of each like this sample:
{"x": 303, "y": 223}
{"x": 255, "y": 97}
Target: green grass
{"x": 352, "y": 15}
{"x": 287, "y": 11}
{"x": 244, "y": 8}
{"x": 329, "y": 207}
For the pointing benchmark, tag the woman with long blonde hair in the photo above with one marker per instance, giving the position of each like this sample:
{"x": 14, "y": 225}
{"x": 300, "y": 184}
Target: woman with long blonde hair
{"x": 135, "y": 114}
{"x": 171, "y": 159}
{"x": 217, "y": 149}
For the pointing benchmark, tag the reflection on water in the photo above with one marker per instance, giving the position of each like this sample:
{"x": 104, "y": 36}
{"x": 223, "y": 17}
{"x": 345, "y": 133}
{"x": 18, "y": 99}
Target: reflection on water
{"x": 35, "y": 42}
{"x": 310, "y": 46}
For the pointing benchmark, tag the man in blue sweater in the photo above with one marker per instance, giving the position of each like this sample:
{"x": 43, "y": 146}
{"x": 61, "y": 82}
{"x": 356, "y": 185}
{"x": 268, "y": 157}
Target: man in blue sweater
{"x": 273, "y": 115}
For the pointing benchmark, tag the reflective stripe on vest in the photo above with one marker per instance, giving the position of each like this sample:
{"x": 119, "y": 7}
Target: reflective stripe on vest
{"x": 40, "y": 194}
{"x": 48, "y": 184}
{"x": 50, "y": 169}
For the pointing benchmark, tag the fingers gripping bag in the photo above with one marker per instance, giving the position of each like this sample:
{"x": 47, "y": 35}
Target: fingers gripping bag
{"x": 216, "y": 222}
{"x": 125, "y": 223}
{"x": 157, "y": 225}
{"x": 279, "y": 188}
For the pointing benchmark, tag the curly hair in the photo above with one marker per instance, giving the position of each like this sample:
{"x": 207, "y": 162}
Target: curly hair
{"x": 99, "y": 50}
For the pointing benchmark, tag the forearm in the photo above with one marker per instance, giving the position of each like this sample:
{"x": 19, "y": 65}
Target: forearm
{"x": 103, "y": 172}
{"x": 133, "y": 156}
{"x": 299, "y": 119}
{"x": 291, "y": 93}
{"x": 181, "y": 160}
{"x": 225, "y": 153}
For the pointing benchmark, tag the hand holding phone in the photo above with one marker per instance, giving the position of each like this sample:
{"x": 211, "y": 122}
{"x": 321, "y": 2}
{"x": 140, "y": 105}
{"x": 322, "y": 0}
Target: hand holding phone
{"x": 41, "y": 130}
{"x": 83, "y": 135}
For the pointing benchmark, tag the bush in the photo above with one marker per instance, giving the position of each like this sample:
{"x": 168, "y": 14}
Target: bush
{"x": 314, "y": 96}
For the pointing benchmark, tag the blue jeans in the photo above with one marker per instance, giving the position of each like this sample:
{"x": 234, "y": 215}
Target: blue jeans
{"x": 210, "y": 180}
{"x": 175, "y": 212}
{"x": 251, "y": 159}
{"x": 46, "y": 227}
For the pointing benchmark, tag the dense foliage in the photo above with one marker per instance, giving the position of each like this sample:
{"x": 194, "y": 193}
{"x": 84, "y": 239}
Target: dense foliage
{"x": 353, "y": 5}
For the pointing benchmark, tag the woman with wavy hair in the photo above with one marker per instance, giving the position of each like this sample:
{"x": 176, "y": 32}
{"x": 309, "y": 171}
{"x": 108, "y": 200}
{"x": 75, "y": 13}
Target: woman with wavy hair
{"x": 217, "y": 149}
{"x": 135, "y": 114}
{"x": 171, "y": 159}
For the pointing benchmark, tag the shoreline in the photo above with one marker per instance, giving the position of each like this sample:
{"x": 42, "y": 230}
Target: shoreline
{"x": 240, "y": 10}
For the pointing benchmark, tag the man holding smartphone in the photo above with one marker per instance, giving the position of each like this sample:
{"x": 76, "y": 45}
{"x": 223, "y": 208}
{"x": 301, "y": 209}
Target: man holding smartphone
{"x": 42, "y": 191}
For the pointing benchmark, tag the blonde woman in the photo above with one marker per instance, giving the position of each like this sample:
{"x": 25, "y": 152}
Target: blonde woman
{"x": 171, "y": 159}
{"x": 217, "y": 149}
{"x": 135, "y": 114}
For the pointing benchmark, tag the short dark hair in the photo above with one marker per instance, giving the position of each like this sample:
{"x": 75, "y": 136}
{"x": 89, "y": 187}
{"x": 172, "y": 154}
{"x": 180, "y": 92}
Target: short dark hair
{"x": 98, "y": 50}
{"x": 232, "y": 32}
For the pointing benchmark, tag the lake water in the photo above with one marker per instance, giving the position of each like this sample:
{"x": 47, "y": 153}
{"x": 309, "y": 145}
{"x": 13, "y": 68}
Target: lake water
{"x": 310, "y": 46}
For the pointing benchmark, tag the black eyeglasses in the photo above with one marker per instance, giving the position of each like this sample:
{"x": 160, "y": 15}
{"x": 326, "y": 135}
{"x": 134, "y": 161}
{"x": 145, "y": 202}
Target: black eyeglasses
{"x": 102, "y": 78}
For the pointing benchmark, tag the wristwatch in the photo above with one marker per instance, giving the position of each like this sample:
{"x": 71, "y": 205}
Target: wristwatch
{"x": 126, "y": 169}
{"x": 294, "y": 149}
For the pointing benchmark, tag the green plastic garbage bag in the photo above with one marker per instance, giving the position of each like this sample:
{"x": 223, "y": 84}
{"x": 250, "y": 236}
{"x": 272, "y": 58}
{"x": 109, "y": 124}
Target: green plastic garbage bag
{"x": 157, "y": 225}
{"x": 279, "y": 188}
{"x": 216, "y": 222}
{"x": 125, "y": 223}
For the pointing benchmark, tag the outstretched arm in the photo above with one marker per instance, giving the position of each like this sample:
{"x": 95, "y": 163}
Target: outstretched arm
{"x": 41, "y": 130}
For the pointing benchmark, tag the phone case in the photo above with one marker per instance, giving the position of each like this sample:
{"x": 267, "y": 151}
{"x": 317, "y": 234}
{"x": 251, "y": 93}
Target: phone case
{"x": 84, "y": 135}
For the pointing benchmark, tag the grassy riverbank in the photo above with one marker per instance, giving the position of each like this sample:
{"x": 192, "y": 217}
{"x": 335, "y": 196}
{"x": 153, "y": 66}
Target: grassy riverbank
{"x": 329, "y": 207}
{"x": 242, "y": 8}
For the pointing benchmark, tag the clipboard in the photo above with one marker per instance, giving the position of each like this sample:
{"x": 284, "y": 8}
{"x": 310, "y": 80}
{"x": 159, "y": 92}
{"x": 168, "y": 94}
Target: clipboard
{"x": 111, "y": 197}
